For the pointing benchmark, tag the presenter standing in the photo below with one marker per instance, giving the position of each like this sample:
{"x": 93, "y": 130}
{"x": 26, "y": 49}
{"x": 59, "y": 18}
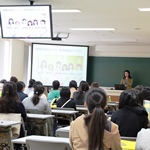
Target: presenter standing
{"x": 127, "y": 80}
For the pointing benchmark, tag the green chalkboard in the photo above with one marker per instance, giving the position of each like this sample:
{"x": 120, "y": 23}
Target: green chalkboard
{"x": 109, "y": 70}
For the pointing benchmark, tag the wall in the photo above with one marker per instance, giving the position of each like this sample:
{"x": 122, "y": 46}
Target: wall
{"x": 17, "y": 59}
{"x": 106, "y": 64}
{"x": 98, "y": 56}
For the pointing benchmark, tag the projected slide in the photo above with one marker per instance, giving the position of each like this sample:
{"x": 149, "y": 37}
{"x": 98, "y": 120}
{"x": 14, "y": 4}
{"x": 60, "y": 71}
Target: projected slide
{"x": 59, "y": 62}
{"x": 26, "y": 21}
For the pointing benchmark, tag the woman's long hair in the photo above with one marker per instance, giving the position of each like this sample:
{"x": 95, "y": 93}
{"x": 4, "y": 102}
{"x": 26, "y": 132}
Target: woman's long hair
{"x": 38, "y": 90}
{"x": 128, "y": 73}
{"x": 96, "y": 120}
{"x": 83, "y": 87}
{"x": 9, "y": 97}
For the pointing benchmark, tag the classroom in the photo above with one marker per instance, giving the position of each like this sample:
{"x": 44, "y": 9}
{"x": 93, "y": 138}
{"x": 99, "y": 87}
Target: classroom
{"x": 116, "y": 41}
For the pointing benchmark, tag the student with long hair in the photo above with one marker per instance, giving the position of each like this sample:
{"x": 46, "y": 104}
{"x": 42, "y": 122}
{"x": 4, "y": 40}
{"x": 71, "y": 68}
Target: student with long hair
{"x": 78, "y": 96}
{"x": 36, "y": 101}
{"x": 73, "y": 87}
{"x": 10, "y": 103}
{"x": 30, "y": 87}
{"x": 39, "y": 104}
{"x": 94, "y": 131}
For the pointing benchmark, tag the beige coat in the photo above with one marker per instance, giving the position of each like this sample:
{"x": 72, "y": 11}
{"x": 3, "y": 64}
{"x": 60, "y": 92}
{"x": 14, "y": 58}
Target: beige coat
{"x": 79, "y": 137}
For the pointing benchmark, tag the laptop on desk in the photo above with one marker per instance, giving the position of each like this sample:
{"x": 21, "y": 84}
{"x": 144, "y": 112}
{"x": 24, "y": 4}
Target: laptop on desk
{"x": 119, "y": 86}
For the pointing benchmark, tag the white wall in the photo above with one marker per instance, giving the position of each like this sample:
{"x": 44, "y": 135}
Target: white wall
{"x": 120, "y": 51}
{"x": 17, "y": 59}
{"x": 14, "y": 59}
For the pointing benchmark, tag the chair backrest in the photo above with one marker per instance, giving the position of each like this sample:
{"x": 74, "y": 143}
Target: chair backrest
{"x": 62, "y": 132}
{"x": 51, "y": 143}
{"x": 34, "y": 111}
{"x": 36, "y": 125}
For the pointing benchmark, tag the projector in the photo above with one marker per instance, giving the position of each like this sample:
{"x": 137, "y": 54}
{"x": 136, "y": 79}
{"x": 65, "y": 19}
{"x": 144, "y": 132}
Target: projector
{"x": 56, "y": 39}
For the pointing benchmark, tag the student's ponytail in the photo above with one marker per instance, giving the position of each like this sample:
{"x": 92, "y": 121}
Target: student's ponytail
{"x": 39, "y": 89}
{"x": 96, "y": 119}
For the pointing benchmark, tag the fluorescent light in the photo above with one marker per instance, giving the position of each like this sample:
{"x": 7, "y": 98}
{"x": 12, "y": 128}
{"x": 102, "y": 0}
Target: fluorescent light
{"x": 66, "y": 11}
{"x": 144, "y": 9}
{"x": 92, "y": 29}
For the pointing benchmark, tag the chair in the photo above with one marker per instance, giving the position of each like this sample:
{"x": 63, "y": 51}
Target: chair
{"x": 51, "y": 143}
{"x": 63, "y": 132}
{"x": 128, "y": 143}
{"x": 63, "y": 119}
{"x": 8, "y": 133}
{"x": 37, "y": 126}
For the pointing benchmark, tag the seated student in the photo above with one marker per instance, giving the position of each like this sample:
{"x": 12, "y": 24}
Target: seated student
{"x": 14, "y": 79}
{"x": 65, "y": 101}
{"x": 20, "y": 90}
{"x": 30, "y": 87}
{"x": 131, "y": 116}
{"x": 94, "y": 131}
{"x": 9, "y": 103}
{"x": 36, "y": 102}
{"x": 144, "y": 93}
{"x": 35, "y": 84}
{"x": 55, "y": 93}
{"x": 78, "y": 96}
{"x": 94, "y": 84}
{"x": 142, "y": 140}
{"x": 73, "y": 87}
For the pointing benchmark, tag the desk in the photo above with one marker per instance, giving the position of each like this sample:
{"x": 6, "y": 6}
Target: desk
{"x": 40, "y": 138}
{"x": 81, "y": 108}
{"x": 64, "y": 117}
{"x": 114, "y": 94}
{"x": 66, "y": 112}
{"x": 4, "y": 123}
{"x": 6, "y": 132}
{"x": 63, "y": 132}
{"x": 41, "y": 117}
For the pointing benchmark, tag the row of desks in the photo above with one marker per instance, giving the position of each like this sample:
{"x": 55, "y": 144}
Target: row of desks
{"x": 125, "y": 144}
{"x": 8, "y": 124}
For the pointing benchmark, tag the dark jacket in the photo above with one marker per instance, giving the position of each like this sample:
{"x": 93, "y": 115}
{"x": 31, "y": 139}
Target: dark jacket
{"x": 70, "y": 104}
{"x": 22, "y": 95}
{"x": 130, "y": 120}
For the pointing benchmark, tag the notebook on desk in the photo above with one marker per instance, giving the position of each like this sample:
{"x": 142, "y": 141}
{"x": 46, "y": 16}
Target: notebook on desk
{"x": 119, "y": 86}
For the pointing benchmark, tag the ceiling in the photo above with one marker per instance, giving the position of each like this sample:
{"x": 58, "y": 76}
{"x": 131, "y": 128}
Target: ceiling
{"x": 132, "y": 26}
